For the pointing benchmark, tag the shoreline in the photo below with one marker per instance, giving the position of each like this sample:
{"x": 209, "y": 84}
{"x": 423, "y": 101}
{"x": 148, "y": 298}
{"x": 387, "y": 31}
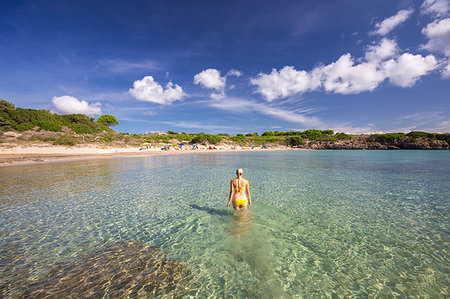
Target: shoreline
{"x": 38, "y": 155}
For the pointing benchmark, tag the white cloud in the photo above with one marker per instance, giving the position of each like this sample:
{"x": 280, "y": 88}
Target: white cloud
{"x": 385, "y": 49}
{"x": 346, "y": 76}
{"x": 212, "y": 79}
{"x": 69, "y": 105}
{"x": 123, "y": 66}
{"x": 436, "y": 8}
{"x": 428, "y": 121}
{"x": 390, "y": 23}
{"x": 286, "y": 82}
{"x": 408, "y": 68}
{"x": 235, "y": 104}
{"x": 438, "y": 34}
{"x": 148, "y": 90}
{"x": 446, "y": 71}
{"x": 234, "y": 72}
{"x": 195, "y": 125}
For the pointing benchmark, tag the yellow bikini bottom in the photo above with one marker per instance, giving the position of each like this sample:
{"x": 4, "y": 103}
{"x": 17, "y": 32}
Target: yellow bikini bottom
{"x": 240, "y": 202}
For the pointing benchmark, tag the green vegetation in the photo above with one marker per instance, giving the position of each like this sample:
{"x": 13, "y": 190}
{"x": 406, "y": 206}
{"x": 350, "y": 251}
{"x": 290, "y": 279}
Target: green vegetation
{"x": 206, "y": 139}
{"x": 19, "y": 119}
{"x": 108, "y": 120}
{"x": 294, "y": 141}
{"x": 388, "y": 137}
{"x": 71, "y": 129}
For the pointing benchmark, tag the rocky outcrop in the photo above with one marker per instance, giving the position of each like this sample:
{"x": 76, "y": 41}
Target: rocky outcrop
{"x": 365, "y": 143}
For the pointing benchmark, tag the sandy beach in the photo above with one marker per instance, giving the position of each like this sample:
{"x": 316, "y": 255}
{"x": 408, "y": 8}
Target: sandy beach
{"x": 10, "y": 156}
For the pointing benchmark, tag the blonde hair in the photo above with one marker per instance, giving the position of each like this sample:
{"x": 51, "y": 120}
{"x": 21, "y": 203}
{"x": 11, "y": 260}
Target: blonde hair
{"x": 239, "y": 173}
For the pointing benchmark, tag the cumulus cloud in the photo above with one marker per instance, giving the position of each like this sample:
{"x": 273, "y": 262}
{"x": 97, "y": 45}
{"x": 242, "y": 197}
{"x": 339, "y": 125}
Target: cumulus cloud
{"x": 148, "y": 90}
{"x": 286, "y": 82}
{"x": 347, "y": 75}
{"x": 438, "y": 34}
{"x": 435, "y": 8}
{"x": 69, "y": 105}
{"x": 388, "y": 24}
{"x": 344, "y": 77}
{"x": 212, "y": 79}
{"x": 385, "y": 49}
{"x": 408, "y": 68}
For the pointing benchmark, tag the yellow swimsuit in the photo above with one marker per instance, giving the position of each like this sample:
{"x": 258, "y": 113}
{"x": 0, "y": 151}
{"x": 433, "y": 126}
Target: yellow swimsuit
{"x": 240, "y": 202}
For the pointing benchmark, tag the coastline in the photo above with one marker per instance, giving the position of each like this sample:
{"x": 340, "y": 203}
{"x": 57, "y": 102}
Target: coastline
{"x": 37, "y": 155}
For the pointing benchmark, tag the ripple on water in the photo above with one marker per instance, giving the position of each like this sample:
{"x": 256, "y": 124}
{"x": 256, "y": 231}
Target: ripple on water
{"x": 126, "y": 269}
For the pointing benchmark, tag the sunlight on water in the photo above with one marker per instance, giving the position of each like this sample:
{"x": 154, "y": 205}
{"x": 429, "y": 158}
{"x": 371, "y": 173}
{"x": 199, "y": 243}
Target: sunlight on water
{"x": 323, "y": 223}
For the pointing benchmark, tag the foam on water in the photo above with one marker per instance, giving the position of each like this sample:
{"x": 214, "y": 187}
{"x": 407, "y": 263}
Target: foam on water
{"x": 345, "y": 223}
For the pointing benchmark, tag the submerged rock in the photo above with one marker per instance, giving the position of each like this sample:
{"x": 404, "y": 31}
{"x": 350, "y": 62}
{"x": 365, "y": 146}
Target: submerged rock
{"x": 128, "y": 269}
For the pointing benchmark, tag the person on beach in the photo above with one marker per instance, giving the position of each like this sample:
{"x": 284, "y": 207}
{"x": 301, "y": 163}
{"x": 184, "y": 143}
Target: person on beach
{"x": 239, "y": 192}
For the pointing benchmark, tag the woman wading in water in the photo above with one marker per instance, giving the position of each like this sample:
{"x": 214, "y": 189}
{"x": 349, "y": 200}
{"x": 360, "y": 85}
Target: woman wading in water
{"x": 239, "y": 192}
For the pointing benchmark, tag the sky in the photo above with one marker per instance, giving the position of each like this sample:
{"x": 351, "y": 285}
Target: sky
{"x": 232, "y": 66}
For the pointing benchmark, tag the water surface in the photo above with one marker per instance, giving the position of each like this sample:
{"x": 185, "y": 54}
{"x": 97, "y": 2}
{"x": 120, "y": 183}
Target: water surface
{"x": 323, "y": 223}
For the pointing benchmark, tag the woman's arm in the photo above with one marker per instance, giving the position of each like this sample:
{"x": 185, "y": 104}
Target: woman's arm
{"x": 248, "y": 194}
{"x": 231, "y": 194}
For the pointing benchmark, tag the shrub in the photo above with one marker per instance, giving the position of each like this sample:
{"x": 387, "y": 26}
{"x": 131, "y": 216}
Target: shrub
{"x": 341, "y": 136}
{"x": 65, "y": 140}
{"x": 294, "y": 141}
{"x": 252, "y": 134}
{"x": 388, "y": 137}
{"x": 268, "y": 133}
{"x": 416, "y": 134}
{"x": 206, "y": 138}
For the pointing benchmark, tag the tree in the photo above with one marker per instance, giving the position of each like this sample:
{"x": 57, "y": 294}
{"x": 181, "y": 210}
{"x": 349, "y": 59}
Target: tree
{"x": 108, "y": 120}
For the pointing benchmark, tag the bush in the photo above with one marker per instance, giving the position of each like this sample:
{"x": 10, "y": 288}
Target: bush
{"x": 206, "y": 139}
{"x": 65, "y": 140}
{"x": 294, "y": 141}
{"x": 19, "y": 119}
{"x": 388, "y": 137}
{"x": 252, "y": 134}
{"x": 268, "y": 133}
{"x": 341, "y": 136}
{"x": 417, "y": 134}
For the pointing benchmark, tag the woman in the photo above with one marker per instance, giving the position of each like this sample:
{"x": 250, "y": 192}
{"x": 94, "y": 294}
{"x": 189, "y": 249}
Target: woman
{"x": 239, "y": 187}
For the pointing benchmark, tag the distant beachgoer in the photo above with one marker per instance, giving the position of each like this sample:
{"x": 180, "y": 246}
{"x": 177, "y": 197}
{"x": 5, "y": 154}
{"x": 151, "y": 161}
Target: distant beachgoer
{"x": 239, "y": 192}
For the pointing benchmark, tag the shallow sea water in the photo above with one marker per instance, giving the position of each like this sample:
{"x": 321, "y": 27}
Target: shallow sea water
{"x": 324, "y": 224}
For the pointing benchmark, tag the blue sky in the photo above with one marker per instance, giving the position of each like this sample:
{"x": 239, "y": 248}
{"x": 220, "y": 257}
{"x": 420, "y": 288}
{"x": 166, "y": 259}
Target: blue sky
{"x": 232, "y": 66}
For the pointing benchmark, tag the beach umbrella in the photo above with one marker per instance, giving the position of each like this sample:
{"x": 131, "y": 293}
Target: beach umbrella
{"x": 145, "y": 143}
{"x": 181, "y": 144}
{"x": 169, "y": 144}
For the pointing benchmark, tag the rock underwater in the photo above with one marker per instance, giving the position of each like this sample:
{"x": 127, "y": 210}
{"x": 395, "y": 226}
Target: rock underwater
{"x": 126, "y": 269}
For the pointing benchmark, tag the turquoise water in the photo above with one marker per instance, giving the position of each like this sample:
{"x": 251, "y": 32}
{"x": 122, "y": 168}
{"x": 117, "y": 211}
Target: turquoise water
{"x": 323, "y": 223}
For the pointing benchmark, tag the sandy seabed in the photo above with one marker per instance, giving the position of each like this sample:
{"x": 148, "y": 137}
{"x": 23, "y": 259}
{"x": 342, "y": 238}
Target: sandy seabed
{"x": 18, "y": 155}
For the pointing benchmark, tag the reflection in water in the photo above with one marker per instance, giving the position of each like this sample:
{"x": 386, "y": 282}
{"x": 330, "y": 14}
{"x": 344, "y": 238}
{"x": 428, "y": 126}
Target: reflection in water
{"x": 242, "y": 223}
{"x": 250, "y": 246}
